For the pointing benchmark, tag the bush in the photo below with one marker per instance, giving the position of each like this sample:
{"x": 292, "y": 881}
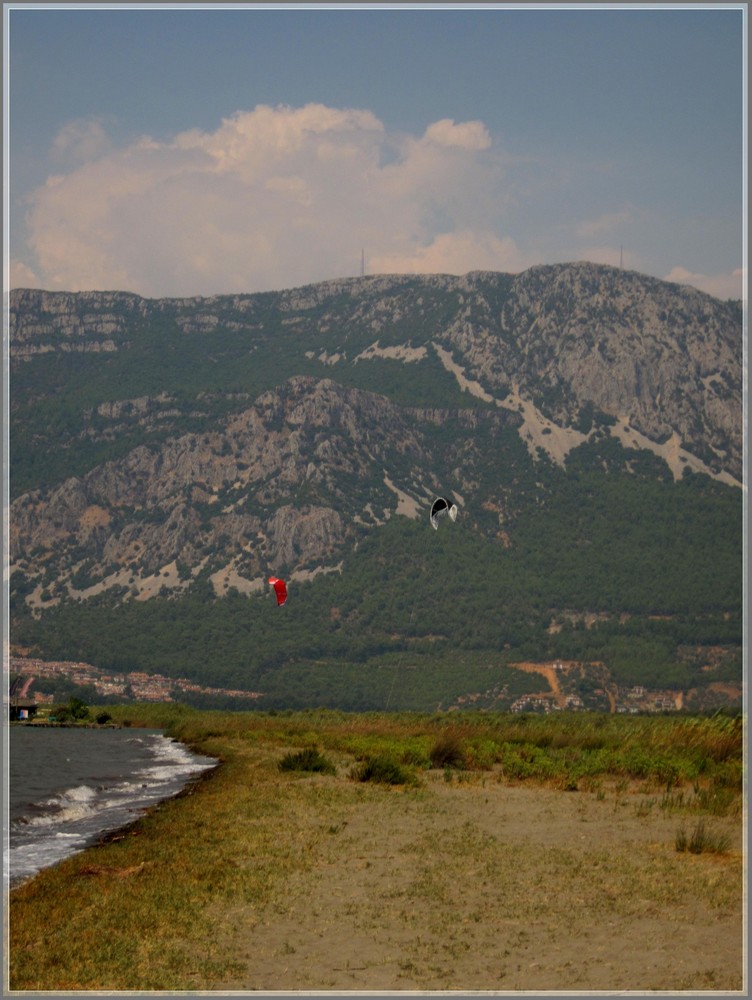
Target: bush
{"x": 78, "y": 709}
{"x": 384, "y": 769}
{"x": 447, "y": 752}
{"x": 307, "y": 760}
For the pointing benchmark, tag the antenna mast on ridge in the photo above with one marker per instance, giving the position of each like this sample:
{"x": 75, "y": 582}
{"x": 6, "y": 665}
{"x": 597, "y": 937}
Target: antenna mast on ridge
{"x": 362, "y": 263}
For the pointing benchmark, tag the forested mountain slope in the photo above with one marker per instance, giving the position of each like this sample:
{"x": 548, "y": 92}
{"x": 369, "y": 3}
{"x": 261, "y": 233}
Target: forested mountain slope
{"x": 170, "y": 454}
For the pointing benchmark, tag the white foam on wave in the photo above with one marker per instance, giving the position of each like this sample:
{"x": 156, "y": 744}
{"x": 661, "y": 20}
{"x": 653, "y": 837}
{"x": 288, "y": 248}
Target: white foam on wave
{"x": 25, "y": 860}
{"x": 174, "y": 760}
{"x": 66, "y": 822}
{"x": 68, "y": 806}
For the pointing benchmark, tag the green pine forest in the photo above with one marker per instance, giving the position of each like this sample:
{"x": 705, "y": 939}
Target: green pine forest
{"x": 418, "y": 617}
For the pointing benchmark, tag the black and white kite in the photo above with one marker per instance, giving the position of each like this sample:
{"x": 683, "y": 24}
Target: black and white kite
{"x": 440, "y": 508}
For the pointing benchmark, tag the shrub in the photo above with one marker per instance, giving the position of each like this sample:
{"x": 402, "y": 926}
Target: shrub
{"x": 78, "y": 709}
{"x": 307, "y": 760}
{"x": 383, "y": 769}
{"x": 415, "y": 758}
{"x": 482, "y": 754}
{"x": 447, "y": 752}
{"x": 523, "y": 762}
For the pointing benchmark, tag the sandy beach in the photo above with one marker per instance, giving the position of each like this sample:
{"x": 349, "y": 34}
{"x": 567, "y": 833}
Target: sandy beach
{"x": 480, "y": 886}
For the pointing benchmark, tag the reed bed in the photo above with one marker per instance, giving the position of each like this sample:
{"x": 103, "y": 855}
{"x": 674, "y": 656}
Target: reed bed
{"x": 558, "y": 748}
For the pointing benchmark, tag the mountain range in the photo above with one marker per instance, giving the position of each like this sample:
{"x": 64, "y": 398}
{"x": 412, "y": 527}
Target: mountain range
{"x": 172, "y": 453}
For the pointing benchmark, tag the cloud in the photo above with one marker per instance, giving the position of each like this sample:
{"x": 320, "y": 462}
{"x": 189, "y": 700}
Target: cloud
{"x": 466, "y": 135}
{"x": 272, "y": 198}
{"x": 22, "y": 276}
{"x": 81, "y": 140}
{"x": 722, "y": 286}
{"x": 450, "y": 253}
{"x": 277, "y": 197}
{"x": 605, "y": 224}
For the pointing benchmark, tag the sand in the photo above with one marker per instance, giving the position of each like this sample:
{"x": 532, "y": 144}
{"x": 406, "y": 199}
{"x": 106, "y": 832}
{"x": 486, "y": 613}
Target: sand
{"x": 476, "y": 885}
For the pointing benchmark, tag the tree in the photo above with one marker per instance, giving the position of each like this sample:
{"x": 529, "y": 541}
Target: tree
{"x": 78, "y": 709}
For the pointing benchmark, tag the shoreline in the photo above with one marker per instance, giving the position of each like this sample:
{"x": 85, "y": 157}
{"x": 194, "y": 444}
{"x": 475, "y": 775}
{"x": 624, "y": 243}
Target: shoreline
{"x": 97, "y": 839}
{"x": 66, "y": 725}
{"x": 189, "y": 788}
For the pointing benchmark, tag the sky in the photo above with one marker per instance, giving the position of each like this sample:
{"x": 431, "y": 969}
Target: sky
{"x": 182, "y": 150}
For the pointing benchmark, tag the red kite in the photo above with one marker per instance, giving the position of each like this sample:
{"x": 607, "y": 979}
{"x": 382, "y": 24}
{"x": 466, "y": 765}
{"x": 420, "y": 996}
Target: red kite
{"x": 280, "y": 589}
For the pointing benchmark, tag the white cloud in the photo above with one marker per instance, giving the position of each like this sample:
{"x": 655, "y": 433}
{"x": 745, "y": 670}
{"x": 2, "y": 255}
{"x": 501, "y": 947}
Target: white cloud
{"x": 81, "y": 140}
{"x": 605, "y": 224}
{"x": 22, "y": 276}
{"x": 274, "y": 197}
{"x": 277, "y": 197}
{"x": 722, "y": 286}
{"x": 457, "y": 253}
{"x": 465, "y": 135}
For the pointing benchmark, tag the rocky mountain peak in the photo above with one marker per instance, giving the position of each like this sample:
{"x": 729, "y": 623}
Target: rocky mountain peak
{"x": 238, "y": 433}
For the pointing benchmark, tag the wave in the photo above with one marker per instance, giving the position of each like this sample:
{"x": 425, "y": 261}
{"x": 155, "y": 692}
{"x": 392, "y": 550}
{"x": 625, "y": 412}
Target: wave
{"x": 69, "y": 820}
{"x": 71, "y": 805}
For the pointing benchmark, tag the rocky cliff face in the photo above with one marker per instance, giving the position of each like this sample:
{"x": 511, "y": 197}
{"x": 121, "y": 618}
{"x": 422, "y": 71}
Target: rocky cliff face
{"x": 284, "y": 485}
{"x": 665, "y": 357}
{"x": 239, "y": 481}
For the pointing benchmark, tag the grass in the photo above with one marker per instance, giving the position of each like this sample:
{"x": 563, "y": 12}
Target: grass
{"x": 139, "y": 920}
{"x": 702, "y": 840}
{"x": 555, "y": 748}
{"x": 309, "y": 760}
{"x": 160, "y": 906}
{"x": 384, "y": 770}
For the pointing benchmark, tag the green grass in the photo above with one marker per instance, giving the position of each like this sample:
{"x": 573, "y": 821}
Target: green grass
{"x": 666, "y": 751}
{"x": 309, "y": 760}
{"x": 702, "y": 839}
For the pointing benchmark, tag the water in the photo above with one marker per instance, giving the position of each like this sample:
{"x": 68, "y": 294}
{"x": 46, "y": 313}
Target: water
{"x": 67, "y": 787}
